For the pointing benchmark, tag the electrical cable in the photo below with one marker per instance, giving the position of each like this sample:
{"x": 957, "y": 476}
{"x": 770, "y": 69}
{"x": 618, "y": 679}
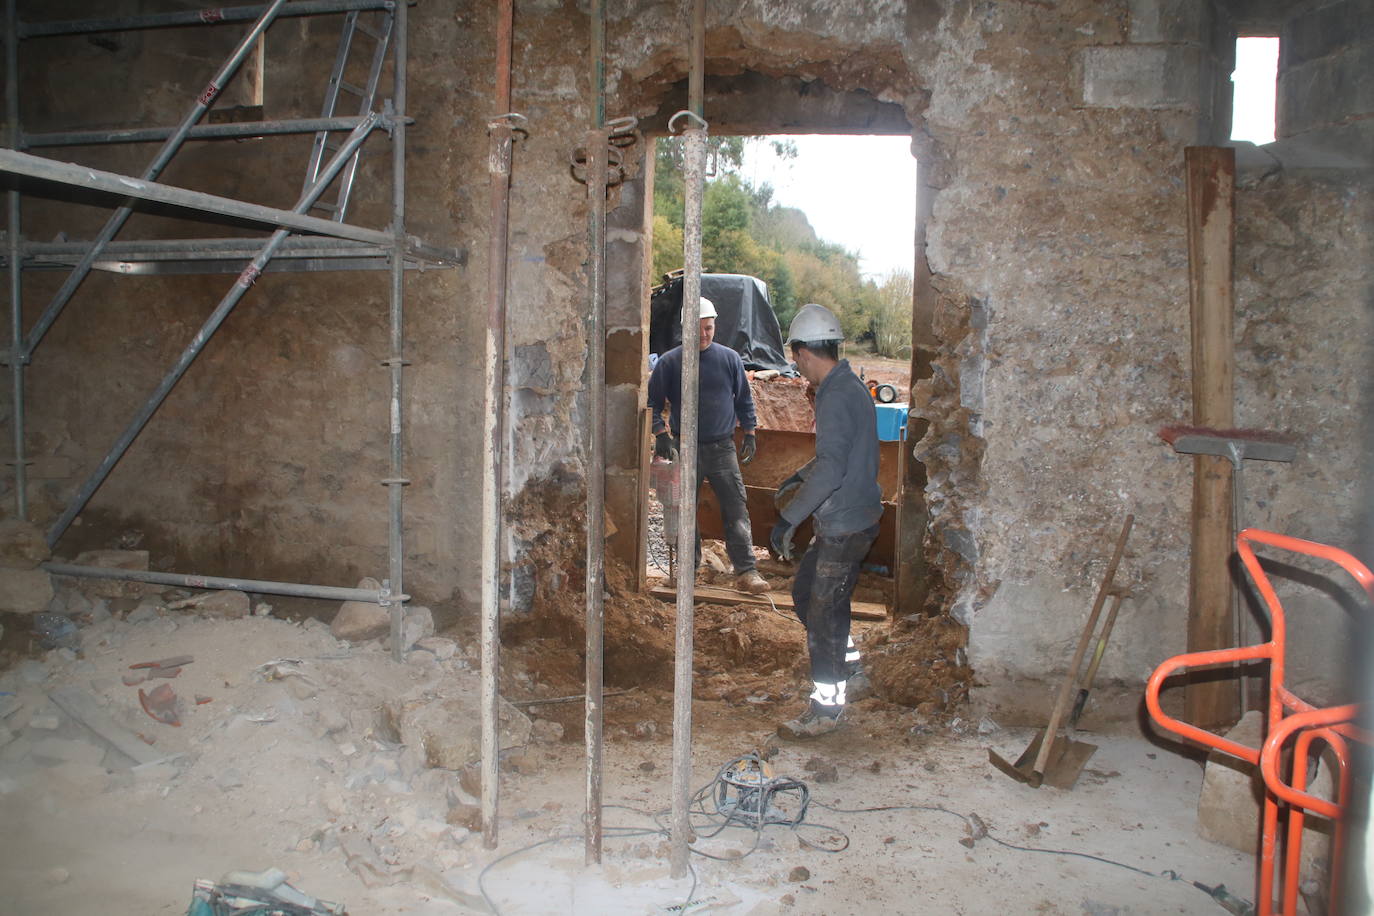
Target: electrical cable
{"x": 711, "y": 812}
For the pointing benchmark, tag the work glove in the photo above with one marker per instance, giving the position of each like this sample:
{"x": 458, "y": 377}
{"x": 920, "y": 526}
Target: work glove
{"x": 787, "y": 489}
{"x": 748, "y": 448}
{"x": 664, "y": 447}
{"x": 780, "y": 539}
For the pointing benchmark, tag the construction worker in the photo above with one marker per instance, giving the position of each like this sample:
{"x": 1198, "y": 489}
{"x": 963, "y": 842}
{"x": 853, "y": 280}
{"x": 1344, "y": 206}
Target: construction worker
{"x": 723, "y": 399}
{"x": 839, "y": 490}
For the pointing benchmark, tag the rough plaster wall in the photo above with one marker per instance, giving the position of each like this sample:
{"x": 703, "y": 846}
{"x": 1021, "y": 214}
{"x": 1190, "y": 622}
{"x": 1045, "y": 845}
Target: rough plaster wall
{"x": 1304, "y": 325}
{"x": 1059, "y": 253}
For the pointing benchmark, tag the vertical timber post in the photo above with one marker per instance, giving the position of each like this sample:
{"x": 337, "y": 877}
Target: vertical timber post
{"x": 502, "y": 140}
{"x": 1210, "y": 701}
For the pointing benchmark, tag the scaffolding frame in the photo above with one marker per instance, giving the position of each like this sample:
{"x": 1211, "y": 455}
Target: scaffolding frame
{"x": 332, "y": 245}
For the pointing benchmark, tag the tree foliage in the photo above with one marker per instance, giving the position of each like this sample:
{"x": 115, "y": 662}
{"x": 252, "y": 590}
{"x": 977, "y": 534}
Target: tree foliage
{"x": 743, "y": 231}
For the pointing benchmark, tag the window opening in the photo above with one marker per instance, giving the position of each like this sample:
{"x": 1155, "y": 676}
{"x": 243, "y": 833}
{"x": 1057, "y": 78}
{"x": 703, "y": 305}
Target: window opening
{"x": 1255, "y": 80}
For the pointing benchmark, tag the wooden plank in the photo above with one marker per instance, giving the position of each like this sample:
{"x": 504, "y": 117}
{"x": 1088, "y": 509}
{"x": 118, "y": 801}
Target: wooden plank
{"x": 82, "y": 707}
{"x": 715, "y": 594}
{"x": 1210, "y": 700}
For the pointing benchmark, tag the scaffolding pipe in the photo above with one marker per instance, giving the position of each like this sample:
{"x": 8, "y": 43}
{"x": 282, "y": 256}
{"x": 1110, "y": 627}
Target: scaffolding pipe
{"x": 241, "y": 285}
{"x": 199, "y": 132}
{"x": 695, "y": 155}
{"x": 598, "y": 141}
{"x": 164, "y": 155}
{"x": 219, "y": 248}
{"x": 396, "y": 481}
{"x": 97, "y": 180}
{"x": 501, "y": 130}
{"x": 209, "y": 16}
{"x": 255, "y": 586}
{"x": 17, "y": 359}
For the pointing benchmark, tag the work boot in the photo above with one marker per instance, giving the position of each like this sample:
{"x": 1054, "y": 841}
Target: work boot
{"x": 751, "y": 582}
{"x": 858, "y": 687}
{"x": 819, "y": 719}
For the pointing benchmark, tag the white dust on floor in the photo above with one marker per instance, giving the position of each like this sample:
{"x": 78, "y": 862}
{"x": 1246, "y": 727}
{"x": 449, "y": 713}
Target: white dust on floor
{"x": 278, "y": 772}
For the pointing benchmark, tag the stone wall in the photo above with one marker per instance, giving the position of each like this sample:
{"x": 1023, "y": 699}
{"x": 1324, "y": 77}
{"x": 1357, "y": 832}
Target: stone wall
{"x": 1051, "y": 140}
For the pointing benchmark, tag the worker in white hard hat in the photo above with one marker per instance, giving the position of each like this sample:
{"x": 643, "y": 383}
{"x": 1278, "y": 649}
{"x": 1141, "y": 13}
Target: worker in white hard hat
{"x": 724, "y": 400}
{"x": 839, "y": 490}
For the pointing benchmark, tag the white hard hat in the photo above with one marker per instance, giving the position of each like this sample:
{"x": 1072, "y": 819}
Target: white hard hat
{"x": 814, "y": 323}
{"x": 708, "y": 308}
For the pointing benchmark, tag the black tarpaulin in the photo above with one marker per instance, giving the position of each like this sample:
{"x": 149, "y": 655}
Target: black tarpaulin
{"x": 745, "y": 323}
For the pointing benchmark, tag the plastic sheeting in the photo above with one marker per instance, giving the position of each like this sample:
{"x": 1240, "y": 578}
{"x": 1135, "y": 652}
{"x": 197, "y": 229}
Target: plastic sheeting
{"x": 745, "y": 324}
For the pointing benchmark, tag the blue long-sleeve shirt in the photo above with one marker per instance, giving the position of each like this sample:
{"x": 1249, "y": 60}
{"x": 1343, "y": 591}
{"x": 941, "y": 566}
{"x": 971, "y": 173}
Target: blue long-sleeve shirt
{"x": 723, "y": 393}
{"x": 841, "y": 483}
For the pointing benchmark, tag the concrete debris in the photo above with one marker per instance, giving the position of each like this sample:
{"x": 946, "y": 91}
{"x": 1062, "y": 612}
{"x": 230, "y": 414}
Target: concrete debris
{"x": 22, "y": 544}
{"x": 227, "y": 603}
{"x": 443, "y": 649}
{"x": 448, "y": 728}
{"x": 546, "y": 731}
{"x": 986, "y": 726}
{"x": 417, "y": 624}
{"x": 360, "y": 620}
{"x": 25, "y": 591}
{"x": 145, "y": 610}
{"x": 48, "y": 721}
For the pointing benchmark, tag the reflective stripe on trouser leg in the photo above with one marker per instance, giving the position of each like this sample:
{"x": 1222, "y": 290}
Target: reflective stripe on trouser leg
{"x": 828, "y": 694}
{"x": 851, "y": 653}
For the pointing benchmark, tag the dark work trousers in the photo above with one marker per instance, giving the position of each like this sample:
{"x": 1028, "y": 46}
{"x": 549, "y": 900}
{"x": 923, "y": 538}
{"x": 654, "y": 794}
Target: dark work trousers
{"x": 718, "y": 464}
{"x": 820, "y": 593}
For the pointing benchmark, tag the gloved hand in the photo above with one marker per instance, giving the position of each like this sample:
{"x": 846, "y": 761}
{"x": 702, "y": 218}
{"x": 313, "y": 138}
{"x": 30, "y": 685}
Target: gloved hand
{"x": 664, "y": 447}
{"x": 787, "y": 489}
{"x": 780, "y": 539}
{"x": 748, "y": 448}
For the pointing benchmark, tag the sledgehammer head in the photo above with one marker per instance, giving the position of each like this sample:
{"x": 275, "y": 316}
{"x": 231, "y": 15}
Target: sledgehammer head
{"x": 1236, "y": 444}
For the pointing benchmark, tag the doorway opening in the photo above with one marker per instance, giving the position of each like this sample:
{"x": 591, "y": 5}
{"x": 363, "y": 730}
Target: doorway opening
{"x": 820, "y": 218}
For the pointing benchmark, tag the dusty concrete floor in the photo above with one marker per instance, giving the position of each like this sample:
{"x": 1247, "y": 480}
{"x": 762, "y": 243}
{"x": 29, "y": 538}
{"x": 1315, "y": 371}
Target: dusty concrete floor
{"x": 266, "y": 782}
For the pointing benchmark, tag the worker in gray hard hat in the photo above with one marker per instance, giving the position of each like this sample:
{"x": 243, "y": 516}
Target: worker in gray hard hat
{"x": 724, "y": 399}
{"x": 839, "y": 490}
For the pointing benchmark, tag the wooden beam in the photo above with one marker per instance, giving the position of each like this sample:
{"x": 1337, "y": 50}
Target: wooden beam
{"x": 714, "y": 594}
{"x": 1211, "y": 696}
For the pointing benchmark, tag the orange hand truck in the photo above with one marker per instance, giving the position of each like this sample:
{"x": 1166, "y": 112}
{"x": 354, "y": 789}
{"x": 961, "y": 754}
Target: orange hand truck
{"x": 1286, "y": 715}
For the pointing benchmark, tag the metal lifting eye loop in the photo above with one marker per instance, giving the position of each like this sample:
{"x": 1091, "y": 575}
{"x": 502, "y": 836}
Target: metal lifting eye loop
{"x": 513, "y": 120}
{"x": 695, "y": 117}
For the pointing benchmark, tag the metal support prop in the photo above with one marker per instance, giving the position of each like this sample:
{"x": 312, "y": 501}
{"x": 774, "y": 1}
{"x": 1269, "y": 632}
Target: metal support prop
{"x": 695, "y": 178}
{"x": 164, "y": 155}
{"x": 598, "y": 145}
{"x": 396, "y": 481}
{"x": 695, "y": 144}
{"x": 241, "y": 285}
{"x": 199, "y": 132}
{"x": 255, "y": 586}
{"x": 17, "y": 358}
{"x": 194, "y": 17}
{"x": 501, "y": 130}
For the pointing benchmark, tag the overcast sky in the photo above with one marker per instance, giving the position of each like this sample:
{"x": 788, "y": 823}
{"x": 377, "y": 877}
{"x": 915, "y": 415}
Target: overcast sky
{"x": 1257, "y": 67}
{"x": 857, "y": 191}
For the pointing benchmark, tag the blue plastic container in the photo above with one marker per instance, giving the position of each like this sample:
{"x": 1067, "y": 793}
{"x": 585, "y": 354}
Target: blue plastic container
{"x": 891, "y": 422}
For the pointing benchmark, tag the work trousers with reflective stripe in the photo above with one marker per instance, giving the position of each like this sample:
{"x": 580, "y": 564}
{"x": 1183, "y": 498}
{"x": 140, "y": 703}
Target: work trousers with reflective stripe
{"x": 718, "y": 464}
{"x": 821, "y": 593}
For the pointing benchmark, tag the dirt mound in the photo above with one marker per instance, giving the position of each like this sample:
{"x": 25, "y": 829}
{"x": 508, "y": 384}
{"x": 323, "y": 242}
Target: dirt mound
{"x": 920, "y": 663}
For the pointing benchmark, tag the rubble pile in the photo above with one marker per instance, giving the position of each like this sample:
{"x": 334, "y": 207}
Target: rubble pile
{"x": 317, "y": 745}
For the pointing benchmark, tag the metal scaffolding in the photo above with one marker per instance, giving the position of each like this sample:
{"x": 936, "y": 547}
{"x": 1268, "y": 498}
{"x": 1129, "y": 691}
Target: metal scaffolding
{"x": 321, "y": 243}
